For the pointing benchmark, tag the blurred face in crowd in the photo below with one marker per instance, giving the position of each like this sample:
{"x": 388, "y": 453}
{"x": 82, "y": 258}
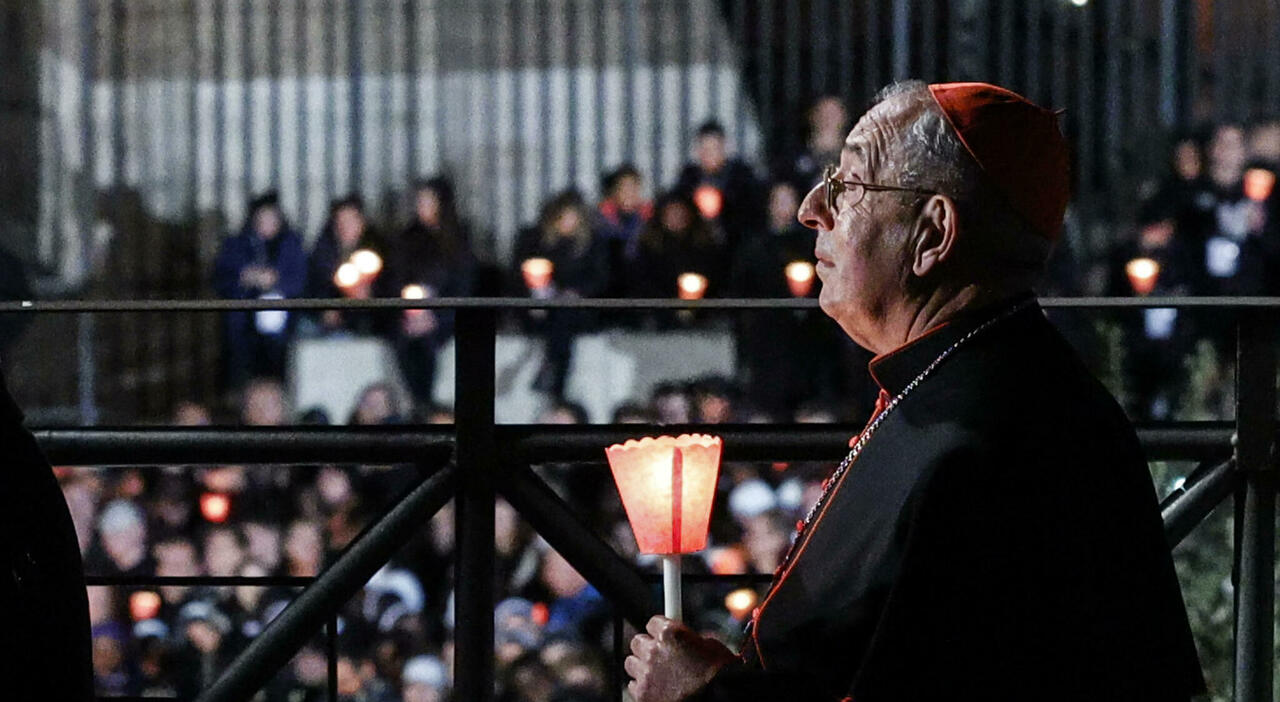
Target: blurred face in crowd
{"x": 1186, "y": 159}
{"x": 263, "y": 404}
{"x": 223, "y": 553}
{"x": 1264, "y": 142}
{"x": 249, "y": 596}
{"x": 765, "y": 542}
{"x": 191, "y": 414}
{"x": 348, "y": 225}
{"x": 783, "y": 203}
{"x": 1227, "y": 156}
{"x": 567, "y": 221}
{"x": 421, "y": 692}
{"x": 175, "y": 557}
{"x": 376, "y": 406}
{"x": 628, "y": 193}
{"x": 673, "y": 408}
{"x": 861, "y": 248}
{"x": 426, "y": 203}
{"x": 108, "y": 655}
{"x": 102, "y": 605}
{"x": 828, "y": 119}
{"x": 304, "y": 547}
{"x": 125, "y": 543}
{"x": 263, "y": 541}
{"x": 82, "y": 501}
{"x": 334, "y": 486}
{"x": 711, "y": 152}
{"x": 676, "y": 217}
{"x": 268, "y": 222}
{"x": 557, "y": 415}
{"x": 506, "y": 527}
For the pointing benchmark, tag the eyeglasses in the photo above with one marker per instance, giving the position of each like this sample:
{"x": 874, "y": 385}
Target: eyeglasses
{"x": 833, "y": 186}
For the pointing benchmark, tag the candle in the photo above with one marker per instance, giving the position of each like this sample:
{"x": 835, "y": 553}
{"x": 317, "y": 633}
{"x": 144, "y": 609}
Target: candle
{"x": 347, "y": 276}
{"x": 1142, "y": 273}
{"x": 367, "y": 262}
{"x": 1258, "y": 183}
{"x": 537, "y": 273}
{"x": 799, "y": 278}
{"x": 691, "y": 286}
{"x": 709, "y": 200}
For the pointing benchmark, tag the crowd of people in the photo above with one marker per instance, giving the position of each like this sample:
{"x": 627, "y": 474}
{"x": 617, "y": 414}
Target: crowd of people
{"x": 1208, "y": 226}
{"x": 553, "y": 629}
{"x": 720, "y": 230}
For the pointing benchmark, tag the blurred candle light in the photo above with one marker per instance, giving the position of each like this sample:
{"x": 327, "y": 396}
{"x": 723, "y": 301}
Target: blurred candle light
{"x": 1142, "y": 273}
{"x": 537, "y": 272}
{"x": 413, "y": 292}
{"x": 367, "y": 262}
{"x": 740, "y": 602}
{"x": 691, "y": 286}
{"x": 667, "y": 486}
{"x": 347, "y": 276}
{"x": 1258, "y": 184}
{"x": 144, "y": 604}
{"x": 800, "y": 278}
{"x": 709, "y": 200}
{"x": 215, "y": 507}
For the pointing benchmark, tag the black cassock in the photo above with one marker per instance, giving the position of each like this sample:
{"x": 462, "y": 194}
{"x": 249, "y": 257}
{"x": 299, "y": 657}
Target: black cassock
{"x": 997, "y": 539}
{"x": 44, "y": 612}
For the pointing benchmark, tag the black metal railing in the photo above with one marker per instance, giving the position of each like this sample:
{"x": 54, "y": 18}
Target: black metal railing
{"x": 475, "y": 460}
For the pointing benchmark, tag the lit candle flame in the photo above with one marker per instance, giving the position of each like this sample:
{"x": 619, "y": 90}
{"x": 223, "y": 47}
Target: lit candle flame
{"x": 709, "y": 201}
{"x": 347, "y": 276}
{"x": 1258, "y": 184}
{"x": 413, "y": 292}
{"x": 537, "y": 272}
{"x": 367, "y": 262}
{"x": 1142, "y": 273}
{"x": 740, "y": 602}
{"x": 144, "y": 604}
{"x": 691, "y": 286}
{"x": 800, "y": 278}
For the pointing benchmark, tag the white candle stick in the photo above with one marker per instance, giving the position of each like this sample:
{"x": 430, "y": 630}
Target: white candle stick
{"x": 671, "y": 595}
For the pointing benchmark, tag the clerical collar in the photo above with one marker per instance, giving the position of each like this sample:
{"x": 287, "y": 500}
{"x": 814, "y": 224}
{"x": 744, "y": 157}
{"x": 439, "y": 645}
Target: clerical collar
{"x": 892, "y": 371}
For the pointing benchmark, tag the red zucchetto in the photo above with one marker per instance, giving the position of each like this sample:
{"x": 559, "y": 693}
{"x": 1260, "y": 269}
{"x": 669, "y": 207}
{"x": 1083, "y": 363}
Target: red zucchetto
{"x": 1017, "y": 143}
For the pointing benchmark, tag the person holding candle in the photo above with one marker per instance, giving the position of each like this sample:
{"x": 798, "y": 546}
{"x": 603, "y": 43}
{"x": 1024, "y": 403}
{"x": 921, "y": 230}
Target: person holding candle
{"x": 346, "y": 235}
{"x": 677, "y": 242}
{"x": 578, "y": 258}
{"x": 944, "y": 560}
{"x": 430, "y": 258}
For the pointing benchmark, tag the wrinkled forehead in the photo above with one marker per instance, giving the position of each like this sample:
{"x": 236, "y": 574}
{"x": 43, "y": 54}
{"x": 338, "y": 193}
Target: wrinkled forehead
{"x": 870, "y": 143}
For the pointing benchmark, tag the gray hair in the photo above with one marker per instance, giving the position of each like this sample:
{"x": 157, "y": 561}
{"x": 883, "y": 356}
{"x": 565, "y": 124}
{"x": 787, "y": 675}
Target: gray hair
{"x": 930, "y": 155}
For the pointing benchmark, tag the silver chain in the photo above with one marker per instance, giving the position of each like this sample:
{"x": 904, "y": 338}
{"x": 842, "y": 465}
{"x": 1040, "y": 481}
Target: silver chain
{"x": 865, "y": 436}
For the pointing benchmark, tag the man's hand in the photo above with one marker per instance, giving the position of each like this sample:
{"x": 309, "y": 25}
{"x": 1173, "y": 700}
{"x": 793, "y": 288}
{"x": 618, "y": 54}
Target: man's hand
{"x": 671, "y": 662}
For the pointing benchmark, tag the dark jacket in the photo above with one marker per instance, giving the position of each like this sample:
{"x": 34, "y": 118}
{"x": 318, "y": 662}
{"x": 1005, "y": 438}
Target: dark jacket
{"x": 743, "y": 209}
{"x": 283, "y": 253}
{"x": 44, "y": 612}
{"x": 997, "y": 539}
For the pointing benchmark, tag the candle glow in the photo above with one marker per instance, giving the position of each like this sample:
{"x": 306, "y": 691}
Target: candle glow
{"x": 1142, "y": 273}
{"x": 537, "y": 272}
{"x": 691, "y": 286}
{"x": 800, "y": 278}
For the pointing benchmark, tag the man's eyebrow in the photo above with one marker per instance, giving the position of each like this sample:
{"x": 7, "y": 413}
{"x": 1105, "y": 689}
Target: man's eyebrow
{"x": 855, "y": 147}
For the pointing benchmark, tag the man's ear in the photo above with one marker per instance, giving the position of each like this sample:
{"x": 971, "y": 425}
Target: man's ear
{"x": 936, "y": 229}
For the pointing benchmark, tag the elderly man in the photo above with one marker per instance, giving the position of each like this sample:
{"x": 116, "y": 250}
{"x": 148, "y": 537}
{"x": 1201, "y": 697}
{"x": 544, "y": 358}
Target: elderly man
{"x": 946, "y": 559}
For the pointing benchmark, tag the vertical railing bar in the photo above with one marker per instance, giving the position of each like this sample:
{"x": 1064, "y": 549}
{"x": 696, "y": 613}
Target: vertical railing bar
{"x": 901, "y": 39}
{"x": 685, "y": 18}
{"x": 331, "y": 655}
{"x": 390, "y": 183}
{"x": 820, "y": 54}
{"x": 844, "y": 11}
{"x": 1007, "y": 12}
{"x": 871, "y": 45}
{"x": 741, "y": 21}
{"x": 246, "y": 95}
{"x": 355, "y": 94}
{"x": 928, "y": 40}
{"x": 713, "y": 58}
{"x": 276, "y": 70}
{"x": 572, "y": 42}
{"x": 542, "y": 8}
{"x": 790, "y": 31}
{"x": 1168, "y": 49}
{"x": 411, "y": 70}
{"x": 474, "y": 515}
{"x": 1112, "y": 77}
{"x": 1256, "y": 513}
{"x": 657, "y": 108}
{"x": 302, "y": 91}
{"x": 1031, "y": 46}
{"x": 629, "y": 12}
{"x": 330, "y": 80}
{"x": 764, "y": 69}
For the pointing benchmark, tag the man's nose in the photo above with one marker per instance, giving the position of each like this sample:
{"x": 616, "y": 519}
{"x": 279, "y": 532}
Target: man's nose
{"x": 813, "y": 210}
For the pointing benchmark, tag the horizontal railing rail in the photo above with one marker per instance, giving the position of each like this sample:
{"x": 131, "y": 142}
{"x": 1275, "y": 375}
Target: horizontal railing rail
{"x": 475, "y": 460}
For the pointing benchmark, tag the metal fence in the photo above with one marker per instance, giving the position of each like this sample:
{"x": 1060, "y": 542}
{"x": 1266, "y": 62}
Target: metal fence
{"x": 183, "y": 108}
{"x": 475, "y": 460}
